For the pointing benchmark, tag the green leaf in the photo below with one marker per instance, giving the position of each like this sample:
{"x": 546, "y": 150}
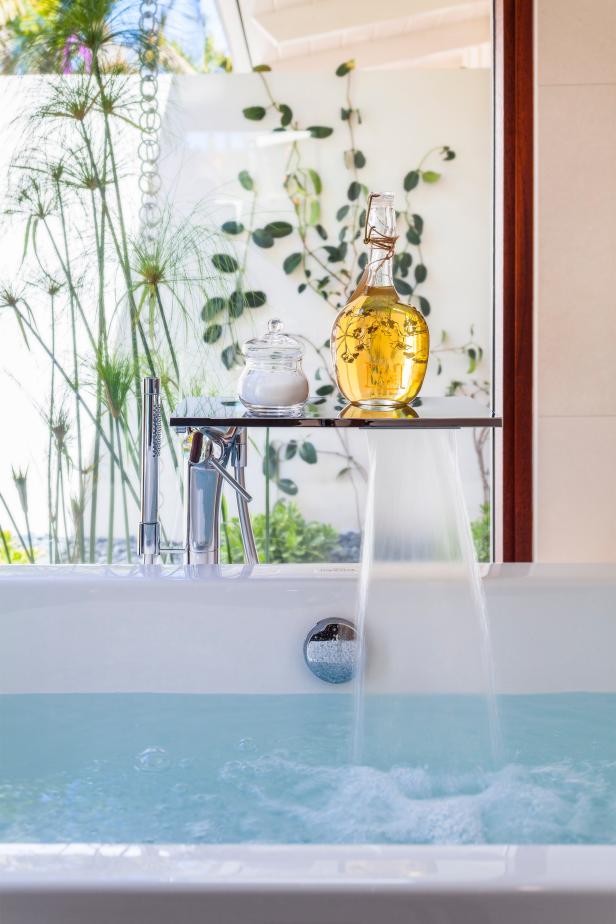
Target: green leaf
{"x": 291, "y": 262}
{"x": 225, "y": 263}
{"x": 342, "y": 212}
{"x": 322, "y": 232}
{"x": 424, "y": 305}
{"x": 230, "y": 355}
{"x": 315, "y": 212}
{"x": 412, "y": 236}
{"x": 290, "y": 449}
{"x": 212, "y": 333}
{"x": 255, "y": 299}
{"x": 286, "y": 115}
{"x": 236, "y": 304}
{"x": 287, "y": 486}
{"x": 212, "y": 307}
{"x": 353, "y": 191}
{"x": 334, "y": 254}
{"x": 362, "y": 260}
{"x": 404, "y": 260}
{"x": 302, "y": 287}
{"x": 261, "y": 68}
{"x": 418, "y": 222}
{"x": 359, "y": 159}
{"x": 246, "y": 180}
{"x": 325, "y": 390}
{"x": 472, "y": 359}
{"x": 345, "y": 114}
{"x": 345, "y": 68}
{"x": 254, "y": 113}
{"x": 232, "y": 227}
{"x": 402, "y": 287}
{"x": 279, "y": 228}
{"x": 308, "y": 453}
{"x": 317, "y": 185}
{"x": 262, "y": 237}
{"x": 421, "y": 273}
{"x": 430, "y": 176}
{"x": 320, "y": 131}
{"x": 411, "y": 180}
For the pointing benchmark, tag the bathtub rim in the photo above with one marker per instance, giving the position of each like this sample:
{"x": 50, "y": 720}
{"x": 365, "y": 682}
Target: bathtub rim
{"x": 424, "y": 869}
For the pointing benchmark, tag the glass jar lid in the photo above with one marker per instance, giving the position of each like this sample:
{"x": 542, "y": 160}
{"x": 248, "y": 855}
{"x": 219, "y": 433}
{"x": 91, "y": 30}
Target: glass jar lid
{"x": 274, "y": 345}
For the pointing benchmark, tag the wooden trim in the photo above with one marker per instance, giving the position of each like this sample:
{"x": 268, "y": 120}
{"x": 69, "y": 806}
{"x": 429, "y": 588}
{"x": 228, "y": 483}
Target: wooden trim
{"x": 514, "y": 107}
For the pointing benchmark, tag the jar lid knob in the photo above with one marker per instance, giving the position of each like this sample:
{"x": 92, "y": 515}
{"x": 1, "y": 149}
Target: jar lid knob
{"x": 274, "y": 326}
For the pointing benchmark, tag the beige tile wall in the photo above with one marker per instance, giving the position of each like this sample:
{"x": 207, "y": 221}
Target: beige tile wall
{"x": 575, "y": 480}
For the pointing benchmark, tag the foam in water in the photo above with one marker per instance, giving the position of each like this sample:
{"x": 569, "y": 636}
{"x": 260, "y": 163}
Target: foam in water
{"x": 274, "y": 769}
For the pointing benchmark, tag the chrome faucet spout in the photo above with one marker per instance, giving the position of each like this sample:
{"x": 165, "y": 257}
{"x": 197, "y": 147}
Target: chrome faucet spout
{"x": 149, "y": 527}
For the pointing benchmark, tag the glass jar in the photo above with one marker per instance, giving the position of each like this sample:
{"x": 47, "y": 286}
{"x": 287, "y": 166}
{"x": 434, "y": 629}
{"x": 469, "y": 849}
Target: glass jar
{"x": 273, "y": 382}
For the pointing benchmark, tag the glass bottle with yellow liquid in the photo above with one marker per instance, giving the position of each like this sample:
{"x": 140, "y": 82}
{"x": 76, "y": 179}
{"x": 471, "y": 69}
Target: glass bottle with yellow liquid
{"x": 379, "y": 345}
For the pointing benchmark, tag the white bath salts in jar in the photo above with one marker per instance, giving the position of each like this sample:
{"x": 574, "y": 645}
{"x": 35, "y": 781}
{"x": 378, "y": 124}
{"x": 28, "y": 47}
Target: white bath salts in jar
{"x": 273, "y": 382}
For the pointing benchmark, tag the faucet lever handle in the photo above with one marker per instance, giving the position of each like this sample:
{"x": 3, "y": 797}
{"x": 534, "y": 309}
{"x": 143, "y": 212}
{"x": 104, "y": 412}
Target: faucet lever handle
{"x": 222, "y": 471}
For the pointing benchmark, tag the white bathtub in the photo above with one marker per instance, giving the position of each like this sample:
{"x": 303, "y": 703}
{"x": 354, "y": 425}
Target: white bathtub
{"x": 90, "y": 631}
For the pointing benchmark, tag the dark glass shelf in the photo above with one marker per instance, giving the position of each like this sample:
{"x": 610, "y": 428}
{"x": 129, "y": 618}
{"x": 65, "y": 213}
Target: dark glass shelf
{"x": 424, "y": 413}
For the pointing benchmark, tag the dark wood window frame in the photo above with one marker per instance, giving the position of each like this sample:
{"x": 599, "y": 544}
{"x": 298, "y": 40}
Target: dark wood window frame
{"x": 513, "y": 278}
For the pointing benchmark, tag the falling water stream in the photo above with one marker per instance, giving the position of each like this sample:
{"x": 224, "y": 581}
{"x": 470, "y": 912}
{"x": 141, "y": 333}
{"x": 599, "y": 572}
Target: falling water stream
{"x": 416, "y": 525}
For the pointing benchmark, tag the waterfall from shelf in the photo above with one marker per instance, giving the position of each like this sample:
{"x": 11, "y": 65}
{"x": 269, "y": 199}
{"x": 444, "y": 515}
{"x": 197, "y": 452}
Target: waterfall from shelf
{"x": 418, "y": 557}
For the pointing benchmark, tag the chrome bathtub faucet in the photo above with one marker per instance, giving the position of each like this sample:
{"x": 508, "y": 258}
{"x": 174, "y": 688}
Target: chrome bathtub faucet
{"x": 209, "y": 450}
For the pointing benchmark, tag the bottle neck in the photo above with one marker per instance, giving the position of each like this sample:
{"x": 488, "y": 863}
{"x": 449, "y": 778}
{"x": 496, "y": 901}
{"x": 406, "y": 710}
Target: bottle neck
{"x": 380, "y": 271}
{"x": 381, "y": 224}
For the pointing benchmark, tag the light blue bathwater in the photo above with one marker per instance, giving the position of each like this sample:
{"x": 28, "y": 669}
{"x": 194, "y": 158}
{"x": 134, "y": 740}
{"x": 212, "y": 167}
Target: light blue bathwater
{"x": 224, "y": 769}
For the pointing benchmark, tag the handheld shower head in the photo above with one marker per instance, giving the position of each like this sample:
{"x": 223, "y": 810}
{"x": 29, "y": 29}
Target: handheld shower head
{"x": 149, "y": 529}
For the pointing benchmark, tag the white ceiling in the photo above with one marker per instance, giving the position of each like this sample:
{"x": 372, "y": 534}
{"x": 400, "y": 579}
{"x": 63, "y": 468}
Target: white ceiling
{"x": 319, "y": 34}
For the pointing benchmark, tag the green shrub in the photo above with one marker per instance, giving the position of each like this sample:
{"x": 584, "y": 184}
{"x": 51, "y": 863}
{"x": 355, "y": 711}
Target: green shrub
{"x": 8, "y": 552}
{"x": 291, "y": 537}
{"x": 481, "y": 529}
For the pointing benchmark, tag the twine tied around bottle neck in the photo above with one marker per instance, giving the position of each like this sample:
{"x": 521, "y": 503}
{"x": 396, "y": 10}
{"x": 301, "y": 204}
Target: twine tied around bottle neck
{"x": 384, "y": 242}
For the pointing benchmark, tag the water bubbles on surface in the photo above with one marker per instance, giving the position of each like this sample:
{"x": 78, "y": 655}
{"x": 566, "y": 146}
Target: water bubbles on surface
{"x": 247, "y": 744}
{"x": 152, "y": 760}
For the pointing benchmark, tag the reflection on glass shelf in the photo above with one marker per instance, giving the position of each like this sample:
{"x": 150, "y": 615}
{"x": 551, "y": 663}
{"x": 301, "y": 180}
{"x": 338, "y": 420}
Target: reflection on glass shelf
{"x": 435, "y": 413}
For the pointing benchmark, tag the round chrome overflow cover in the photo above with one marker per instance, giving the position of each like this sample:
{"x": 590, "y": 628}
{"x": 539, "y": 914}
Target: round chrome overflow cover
{"x": 331, "y": 650}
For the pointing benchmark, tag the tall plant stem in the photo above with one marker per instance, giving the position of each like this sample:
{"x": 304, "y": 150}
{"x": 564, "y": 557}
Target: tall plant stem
{"x": 63, "y": 507}
{"x": 111, "y": 495}
{"x": 57, "y": 507}
{"x": 124, "y": 500}
{"x": 170, "y": 346}
{"x": 101, "y": 348}
{"x": 225, "y": 527}
{"x": 80, "y": 540}
{"x": 7, "y": 551}
{"x": 17, "y": 530}
{"x": 52, "y": 386}
{"x": 131, "y": 443}
{"x": 29, "y": 534}
{"x": 267, "y": 495}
